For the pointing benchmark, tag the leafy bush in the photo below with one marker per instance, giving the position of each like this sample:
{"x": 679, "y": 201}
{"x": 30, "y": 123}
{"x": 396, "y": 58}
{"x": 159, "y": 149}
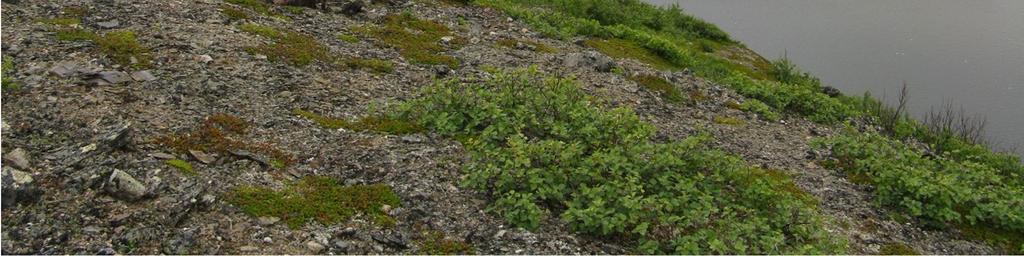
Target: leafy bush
{"x": 943, "y": 188}
{"x": 542, "y": 147}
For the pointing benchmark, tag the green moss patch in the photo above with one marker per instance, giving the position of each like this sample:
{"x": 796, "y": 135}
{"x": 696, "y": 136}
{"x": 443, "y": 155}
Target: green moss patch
{"x": 728, "y": 120}
{"x": 416, "y": 39}
{"x": 375, "y": 65}
{"x": 259, "y": 6}
{"x": 348, "y": 38}
{"x": 435, "y": 243}
{"x": 121, "y": 46}
{"x": 619, "y": 48}
{"x": 369, "y": 123}
{"x": 61, "y": 21}
{"x": 220, "y": 134}
{"x": 659, "y": 85}
{"x": 7, "y": 83}
{"x": 897, "y": 249}
{"x": 288, "y": 46}
{"x": 234, "y": 13}
{"x": 316, "y": 199}
{"x": 182, "y": 165}
{"x": 537, "y": 46}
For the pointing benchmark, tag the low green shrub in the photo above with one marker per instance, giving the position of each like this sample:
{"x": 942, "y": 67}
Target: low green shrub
{"x": 943, "y": 188}
{"x": 761, "y": 109}
{"x": 542, "y": 148}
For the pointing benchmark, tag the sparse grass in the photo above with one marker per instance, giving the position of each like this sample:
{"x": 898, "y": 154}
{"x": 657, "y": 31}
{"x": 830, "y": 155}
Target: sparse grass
{"x": 758, "y": 107}
{"x": 416, "y": 39}
{"x": 61, "y": 21}
{"x": 435, "y": 243}
{"x": 318, "y": 199}
{"x": 234, "y": 13}
{"x": 619, "y": 48}
{"x": 294, "y": 9}
{"x": 897, "y": 249}
{"x": 288, "y": 46}
{"x": 659, "y": 85}
{"x": 182, "y": 165}
{"x": 728, "y": 120}
{"x": 537, "y": 46}
{"x": 375, "y": 65}
{"x": 348, "y": 38}
{"x": 368, "y": 123}
{"x": 258, "y": 6}
{"x": 219, "y": 134}
{"x": 123, "y": 47}
{"x": 6, "y": 82}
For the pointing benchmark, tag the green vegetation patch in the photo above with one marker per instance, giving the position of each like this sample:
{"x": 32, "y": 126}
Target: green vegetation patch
{"x": 761, "y": 109}
{"x": 659, "y": 85}
{"x": 435, "y": 243}
{"x": 348, "y": 38}
{"x": 318, "y": 199}
{"x": 220, "y": 133}
{"x": 542, "y": 147}
{"x": 897, "y": 249}
{"x": 182, "y": 165}
{"x": 369, "y": 123}
{"x": 943, "y": 188}
{"x": 234, "y": 13}
{"x": 288, "y": 46}
{"x": 259, "y": 6}
{"x": 121, "y": 46}
{"x": 728, "y": 120}
{"x": 61, "y": 21}
{"x": 416, "y": 39}
{"x": 619, "y": 48}
{"x": 6, "y": 81}
{"x": 537, "y": 46}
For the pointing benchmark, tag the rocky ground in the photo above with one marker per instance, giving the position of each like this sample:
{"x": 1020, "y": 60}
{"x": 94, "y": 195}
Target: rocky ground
{"x": 81, "y": 174}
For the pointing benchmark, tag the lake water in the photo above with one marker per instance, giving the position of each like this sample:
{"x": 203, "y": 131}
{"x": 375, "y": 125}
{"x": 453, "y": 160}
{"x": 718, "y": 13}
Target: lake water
{"x": 970, "y": 52}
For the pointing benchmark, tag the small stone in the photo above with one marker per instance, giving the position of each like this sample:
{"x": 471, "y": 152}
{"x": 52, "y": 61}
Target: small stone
{"x": 314, "y": 246}
{"x": 342, "y": 245}
{"x": 248, "y": 248}
{"x": 88, "y": 148}
{"x": 268, "y": 220}
{"x": 268, "y": 240}
{"x": 108, "y": 24}
{"x": 202, "y": 156}
{"x": 17, "y": 158}
{"x": 349, "y": 231}
{"x": 121, "y": 185}
{"x": 63, "y": 69}
{"x": 385, "y": 208}
{"x": 143, "y": 75}
{"x": 114, "y": 77}
{"x": 18, "y": 188}
{"x": 204, "y": 58}
{"x": 447, "y": 39}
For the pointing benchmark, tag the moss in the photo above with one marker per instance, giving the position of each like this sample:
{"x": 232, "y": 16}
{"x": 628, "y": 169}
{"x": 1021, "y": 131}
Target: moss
{"x": 1012, "y": 242}
{"x": 182, "y": 165}
{"x": 375, "y": 65}
{"x": 7, "y": 83}
{"x": 316, "y": 199}
{"x": 258, "y": 6}
{"x": 368, "y": 123}
{"x": 727, "y": 120}
{"x": 61, "y": 21}
{"x": 537, "y": 46}
{"x": 619, "y": 48}
{"x": 348, "y": 38}
{"x": 732, "y": 104}
{"x": 435, "y": 243}
{"x": 122, "y": 47}
{"x": 288, "y": 46}
{"x": 416, "y": 39}
{"x": 659, "y": 85}
{"x": 897, "y": 249}
{"x": 234, "y": 13}
{"x": 218, "y": 134}
{"x": 294, "y": 9}
{"x": 784, "y": 183}
{"x": 75, "y": 34}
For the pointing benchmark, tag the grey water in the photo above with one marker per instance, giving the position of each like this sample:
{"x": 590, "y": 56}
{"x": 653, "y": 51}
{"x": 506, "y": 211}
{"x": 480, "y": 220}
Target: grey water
{"x": 970, "y": 52}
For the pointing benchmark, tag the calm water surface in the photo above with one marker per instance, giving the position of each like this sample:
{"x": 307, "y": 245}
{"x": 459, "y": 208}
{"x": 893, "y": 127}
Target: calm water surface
{"x": 968, "y": 52}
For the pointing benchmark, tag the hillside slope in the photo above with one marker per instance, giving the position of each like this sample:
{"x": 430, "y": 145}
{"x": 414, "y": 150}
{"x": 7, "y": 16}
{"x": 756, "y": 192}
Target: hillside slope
{"x": 195, "y": 131}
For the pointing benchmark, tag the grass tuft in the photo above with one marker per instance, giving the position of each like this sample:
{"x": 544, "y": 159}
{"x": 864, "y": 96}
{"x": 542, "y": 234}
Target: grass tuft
{"x": 182, "y": 165}
{"x": 619, "y": 48}
{"x": 234, "y": 13}
{"x": 288, "y": 46}
{"x": 435, "y": 243}
{"x": 416, "y": 39}
{"x": 318, "y": 199}
{"x": 348, "y": 38}
{"x": 659, "y": 85}
{"x": 728, "y": 120}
